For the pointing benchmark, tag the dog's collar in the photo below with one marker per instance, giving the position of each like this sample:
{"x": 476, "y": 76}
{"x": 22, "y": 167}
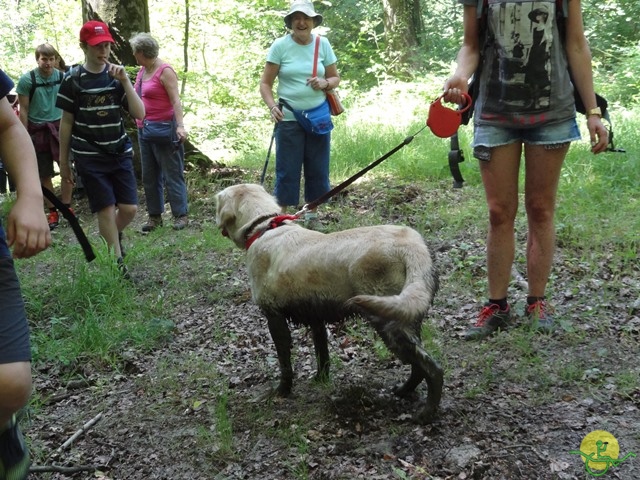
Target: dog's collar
{"x": 276, "y": 221}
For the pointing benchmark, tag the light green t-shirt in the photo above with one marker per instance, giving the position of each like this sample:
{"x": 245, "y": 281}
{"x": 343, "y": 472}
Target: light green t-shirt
{"x": 296, "y": 67}
{"x": 42, "y": 107}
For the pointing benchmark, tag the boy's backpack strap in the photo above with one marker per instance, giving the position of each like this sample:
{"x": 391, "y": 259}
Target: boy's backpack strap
{"x": 35, "y": 85}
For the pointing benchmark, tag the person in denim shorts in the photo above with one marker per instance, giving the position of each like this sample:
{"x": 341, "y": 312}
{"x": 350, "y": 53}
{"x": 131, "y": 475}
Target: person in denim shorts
{"x": 27, "y": 232}
{"x": 525, "y": 104}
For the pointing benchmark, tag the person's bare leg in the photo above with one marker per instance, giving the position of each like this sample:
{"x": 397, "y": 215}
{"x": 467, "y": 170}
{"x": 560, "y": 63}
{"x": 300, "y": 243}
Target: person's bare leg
{"x": 124, "y": 215}
{"x": 542, "y": 168}
{"x": 48, "y": 184}
{"x": 112, "y": 221}
{"x": 500, "y": 179}
{"x": 109, "y": 229}
{"x": 15, "y": 388}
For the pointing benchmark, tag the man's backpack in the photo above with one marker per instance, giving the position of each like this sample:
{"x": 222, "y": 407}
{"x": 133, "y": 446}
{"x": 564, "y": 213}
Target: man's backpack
{"x": 35, "y": 85}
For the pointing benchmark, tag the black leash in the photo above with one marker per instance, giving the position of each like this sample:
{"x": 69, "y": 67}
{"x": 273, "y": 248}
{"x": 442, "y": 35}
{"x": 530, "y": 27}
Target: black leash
{"x": 350, "y": 180}
{"x": 73, "y": 221}
{"x": 266, "y": 161}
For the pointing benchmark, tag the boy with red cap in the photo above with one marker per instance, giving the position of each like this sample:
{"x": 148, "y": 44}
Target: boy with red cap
{"x": 93, "y": 129}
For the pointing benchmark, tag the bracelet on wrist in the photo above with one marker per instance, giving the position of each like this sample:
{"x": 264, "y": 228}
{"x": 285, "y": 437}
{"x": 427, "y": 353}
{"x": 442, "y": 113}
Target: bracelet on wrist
{"x": 271, "y": 109}
{"x": 594, "y": 112}
{"x": 180, "y": 125}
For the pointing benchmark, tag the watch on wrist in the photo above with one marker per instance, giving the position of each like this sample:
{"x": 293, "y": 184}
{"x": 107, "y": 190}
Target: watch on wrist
{"x": 594, "y": 111}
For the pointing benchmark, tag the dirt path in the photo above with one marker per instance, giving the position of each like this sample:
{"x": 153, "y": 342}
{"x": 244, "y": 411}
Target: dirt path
{"x": 514, "y": 406}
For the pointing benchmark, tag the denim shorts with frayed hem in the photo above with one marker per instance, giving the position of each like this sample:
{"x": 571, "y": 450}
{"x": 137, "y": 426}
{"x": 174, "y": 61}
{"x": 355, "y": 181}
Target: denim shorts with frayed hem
{"x": 551, "y": 136}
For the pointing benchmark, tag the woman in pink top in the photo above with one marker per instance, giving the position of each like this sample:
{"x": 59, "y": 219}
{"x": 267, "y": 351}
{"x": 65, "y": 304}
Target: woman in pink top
{"x": 162, "y": 163}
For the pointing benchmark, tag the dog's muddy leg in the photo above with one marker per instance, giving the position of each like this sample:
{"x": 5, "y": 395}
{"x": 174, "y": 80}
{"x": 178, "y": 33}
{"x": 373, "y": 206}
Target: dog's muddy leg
{"x": 407, "y": 346}
{"x": 435, "y": 378}
{"x": 322, "y": 350}
{"x": 282, "y": 339}
{"x": 412, "y": 382}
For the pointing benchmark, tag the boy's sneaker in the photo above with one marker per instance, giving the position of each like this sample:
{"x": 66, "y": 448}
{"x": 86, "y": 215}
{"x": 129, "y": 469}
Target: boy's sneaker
{"x": 14, "y": 454}
{"x": 122, "y": 268}
{"x": 539, "y": 314}
{"x": 53, "y": 219}
{"x": 491, "y": 318}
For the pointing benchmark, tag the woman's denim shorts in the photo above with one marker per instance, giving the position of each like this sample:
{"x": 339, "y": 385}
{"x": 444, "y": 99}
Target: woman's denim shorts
{"x": 551, "y": 135}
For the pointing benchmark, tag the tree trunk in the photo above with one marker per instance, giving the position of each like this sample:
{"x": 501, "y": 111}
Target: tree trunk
{"x": 403, "y": 28}
{"x": 125, "y": 18}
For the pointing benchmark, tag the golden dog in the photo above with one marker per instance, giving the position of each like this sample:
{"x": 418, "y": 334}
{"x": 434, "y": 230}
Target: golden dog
{"x": 383, "y": 273}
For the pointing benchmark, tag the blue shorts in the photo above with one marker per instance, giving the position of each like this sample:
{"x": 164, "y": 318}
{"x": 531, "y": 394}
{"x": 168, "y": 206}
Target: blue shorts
{"x": 14, "y": 329}
{"x": 108, "y": 180}
{"x": 552, "y": 136}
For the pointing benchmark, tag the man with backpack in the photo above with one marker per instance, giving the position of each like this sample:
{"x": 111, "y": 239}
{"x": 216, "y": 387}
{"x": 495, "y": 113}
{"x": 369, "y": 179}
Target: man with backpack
{"x": 37, "y": 92}
{"x": 514, "y": 115}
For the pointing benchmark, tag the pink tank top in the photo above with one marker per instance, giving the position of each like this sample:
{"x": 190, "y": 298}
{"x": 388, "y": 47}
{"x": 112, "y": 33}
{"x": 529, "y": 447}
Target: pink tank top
{"x": 154, "y": 96}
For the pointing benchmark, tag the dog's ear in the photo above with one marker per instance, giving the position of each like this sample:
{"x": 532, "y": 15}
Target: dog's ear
{"x": 225, "y": 215}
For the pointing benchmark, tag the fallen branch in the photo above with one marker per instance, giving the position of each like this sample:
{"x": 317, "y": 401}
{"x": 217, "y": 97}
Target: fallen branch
{"x": 84, "y": 428}
{"x": 57, "y": 469}
{"x": 519, "y": 279}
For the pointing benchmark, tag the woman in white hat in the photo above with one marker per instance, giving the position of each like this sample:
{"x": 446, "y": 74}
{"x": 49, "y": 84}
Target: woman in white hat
{"x": 290, "y": 59}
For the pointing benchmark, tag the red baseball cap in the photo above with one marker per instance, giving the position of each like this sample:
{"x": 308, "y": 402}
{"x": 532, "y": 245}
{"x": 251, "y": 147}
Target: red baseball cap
{"x": 94, "y": 32}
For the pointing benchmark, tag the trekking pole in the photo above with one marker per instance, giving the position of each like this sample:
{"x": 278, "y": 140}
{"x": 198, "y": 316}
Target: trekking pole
{"x": 266, "y": 161}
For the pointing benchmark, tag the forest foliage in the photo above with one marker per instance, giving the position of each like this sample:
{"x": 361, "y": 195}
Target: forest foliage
{"x": 228, "y": 40}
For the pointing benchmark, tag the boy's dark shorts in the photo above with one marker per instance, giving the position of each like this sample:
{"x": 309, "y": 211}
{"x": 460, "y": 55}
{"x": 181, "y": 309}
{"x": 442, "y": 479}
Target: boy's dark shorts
{"x": 14, "y": 329}
{"x": 108, "y": 180}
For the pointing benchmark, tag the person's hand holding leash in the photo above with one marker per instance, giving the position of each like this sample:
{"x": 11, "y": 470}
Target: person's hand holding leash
{"x": 454, "y": 88}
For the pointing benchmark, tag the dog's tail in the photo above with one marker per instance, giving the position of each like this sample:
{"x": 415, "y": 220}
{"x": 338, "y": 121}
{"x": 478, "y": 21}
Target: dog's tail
{"x": 412, "y": 303}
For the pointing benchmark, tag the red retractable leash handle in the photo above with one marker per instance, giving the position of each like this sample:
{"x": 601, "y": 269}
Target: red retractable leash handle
{"x": 443, "y": 121}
